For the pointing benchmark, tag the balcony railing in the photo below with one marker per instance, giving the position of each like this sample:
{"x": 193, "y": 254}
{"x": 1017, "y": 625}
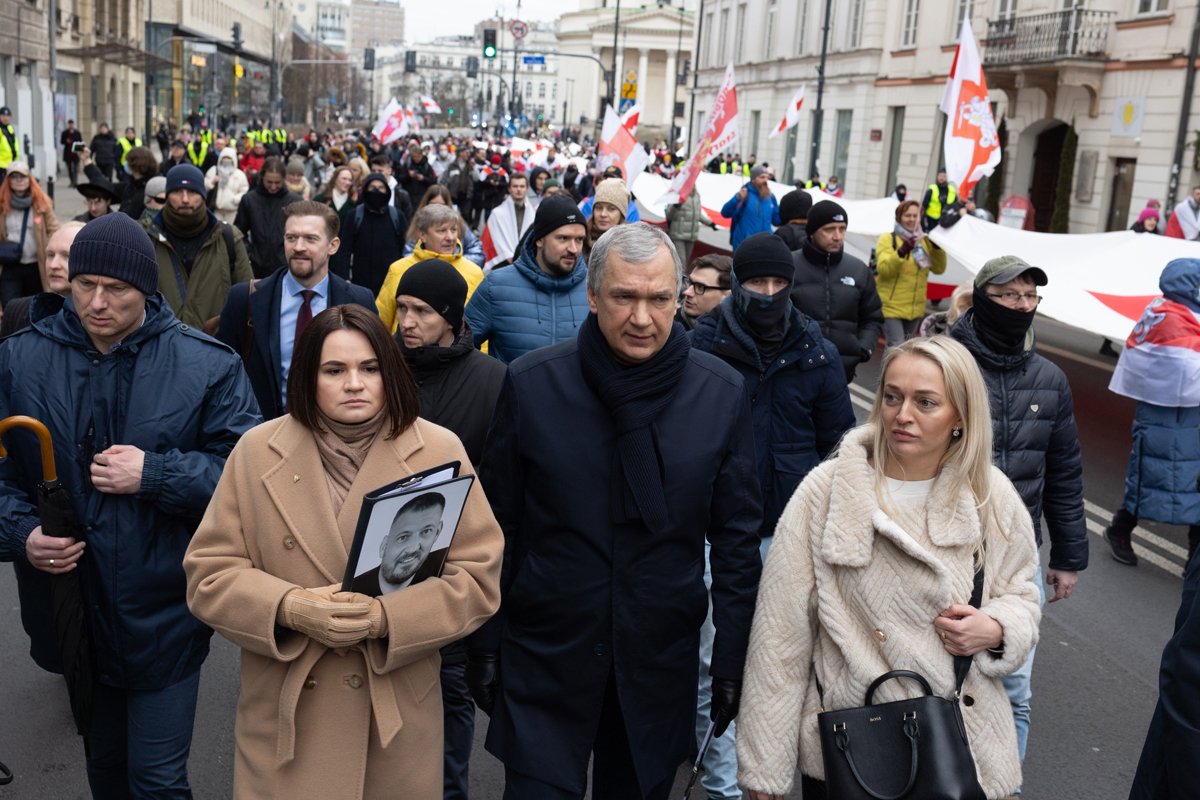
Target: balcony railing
{"x": 1073, "y": 33}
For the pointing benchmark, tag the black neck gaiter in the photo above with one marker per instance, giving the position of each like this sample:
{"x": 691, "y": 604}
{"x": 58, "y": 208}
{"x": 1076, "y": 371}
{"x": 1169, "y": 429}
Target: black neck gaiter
{"x": 764, "y": 317}
{"x": 1003, "y": 330}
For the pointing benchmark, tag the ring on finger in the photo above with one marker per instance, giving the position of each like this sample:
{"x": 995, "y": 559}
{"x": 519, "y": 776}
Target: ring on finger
{"x": 52, "y": 562}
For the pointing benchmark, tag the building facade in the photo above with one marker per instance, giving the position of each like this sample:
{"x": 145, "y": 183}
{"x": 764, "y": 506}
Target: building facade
{"x": 375, "y": 23}
{"x": 1107, "y": 75}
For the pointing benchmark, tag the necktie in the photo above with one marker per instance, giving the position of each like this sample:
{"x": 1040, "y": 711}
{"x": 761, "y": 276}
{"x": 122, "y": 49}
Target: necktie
{"x": 302, "y": 319}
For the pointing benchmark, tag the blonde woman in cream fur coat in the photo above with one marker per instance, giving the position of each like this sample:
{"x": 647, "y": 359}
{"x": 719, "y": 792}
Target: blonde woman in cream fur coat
{"x": 872, "y": 569}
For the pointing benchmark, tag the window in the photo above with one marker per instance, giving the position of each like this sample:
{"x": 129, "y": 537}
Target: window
{"x": 801, "y": 27}
{"x": 541, "y": 91}
{"x": 706, "y": 57}
{"x": 841, "y": 145}
{"x": 721, "y": 39}
{"x": 529, "y": 88}
{"x": 963, "y": 11}
{"x": 769, "y": 32}
{"x": 1006, "y": 9}
{"x": 1151, "y": 6}
{"x": 739, "y": 41}
{"x": 896, "y": 123}
{"x": 854, "y": 28}
{"x": 908, "y": 26}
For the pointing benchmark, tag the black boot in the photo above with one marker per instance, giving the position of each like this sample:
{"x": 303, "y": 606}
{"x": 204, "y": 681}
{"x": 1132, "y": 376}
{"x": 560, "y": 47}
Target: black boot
{"x": 1107, "y": 349}
{"x": 1118, "y": 538}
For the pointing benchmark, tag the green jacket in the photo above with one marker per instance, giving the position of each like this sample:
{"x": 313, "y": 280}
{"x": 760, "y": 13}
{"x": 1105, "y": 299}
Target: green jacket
{"x": 198, "y": 296}
{"x": 901, "y": 283}
{"x": 683, "y": 218}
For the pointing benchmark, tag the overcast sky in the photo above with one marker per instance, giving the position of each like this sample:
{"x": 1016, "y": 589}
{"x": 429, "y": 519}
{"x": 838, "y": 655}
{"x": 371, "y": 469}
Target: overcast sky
{"x": 423, "y": 20}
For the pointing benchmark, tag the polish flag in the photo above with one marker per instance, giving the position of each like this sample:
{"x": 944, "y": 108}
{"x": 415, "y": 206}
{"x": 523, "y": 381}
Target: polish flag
{"x": 429, "y": 105}
{"x": 629, "y": 120}
{"x": 792, "y": 115}
{"x": 392, "y": 123}
{"x": 972, "y": 144}
{"x": 618, "y": 146}
{"x": 721, "y": 130}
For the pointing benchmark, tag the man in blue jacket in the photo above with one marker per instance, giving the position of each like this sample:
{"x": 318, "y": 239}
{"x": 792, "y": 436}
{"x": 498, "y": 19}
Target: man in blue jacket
{"x": 143, "y": 410}
{"x": 753, "y": 209}
{"x": 541, "y": 299}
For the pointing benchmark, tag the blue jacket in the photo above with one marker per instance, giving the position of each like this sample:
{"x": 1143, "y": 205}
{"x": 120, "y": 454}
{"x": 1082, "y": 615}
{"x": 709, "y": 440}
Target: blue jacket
{"x": 168, "y": 389}
{"x": 799, "y": 403}
{"x": 520, "y": 308}
{"x": 1163, "y": 465}
{"x": 750, "y": 216}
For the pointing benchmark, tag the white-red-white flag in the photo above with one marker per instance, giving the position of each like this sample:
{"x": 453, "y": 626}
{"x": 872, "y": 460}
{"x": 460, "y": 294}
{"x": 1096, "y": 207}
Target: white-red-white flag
{"x": 392, "y": 123}
{"x": 720, "y": 131}
{"x": 972, "y": 143}
{"x": 629, "y": 120}
{"x": 790, "y": 116}
{"x": 414, "y": 121}
{"x": 618, "y": 146}
{"x": 429, "y": 105}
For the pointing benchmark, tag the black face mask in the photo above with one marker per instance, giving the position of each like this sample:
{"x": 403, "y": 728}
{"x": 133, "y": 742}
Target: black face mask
{"x": 1001, "y": 328}
{"x": 765, "y": 317}
{"x": 375, "y": 200}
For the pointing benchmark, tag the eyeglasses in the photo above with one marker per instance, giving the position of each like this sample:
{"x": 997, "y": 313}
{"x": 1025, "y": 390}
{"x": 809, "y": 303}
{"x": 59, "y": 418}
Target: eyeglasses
{"x": 697, "y": 287}
{"x": 162, "y": 198}
{"x": 1012, "y": 298}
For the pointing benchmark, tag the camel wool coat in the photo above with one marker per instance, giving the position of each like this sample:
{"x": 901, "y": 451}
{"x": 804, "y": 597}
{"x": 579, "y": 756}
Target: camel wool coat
{"x": 848, "y": 594}
{"x": 358, "y": 722}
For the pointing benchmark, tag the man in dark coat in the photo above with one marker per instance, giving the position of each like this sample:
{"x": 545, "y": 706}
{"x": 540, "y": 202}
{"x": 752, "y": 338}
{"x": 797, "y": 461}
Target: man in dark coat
{"x": 458, "y": 388}
{"x": 799, "y": 404}
{"x": 260, "y": 318}
{"x": 260, "y": 217}
{"x": 374, "y": 237}
{"x": 1035, "y": 442}
{"x": 835, "y": 289}
{"x": 416, "y": 173}
{"x": 68, "y": 139}
{"x": 1167, "y": 769}
{"x": 103, "y": 148}
{"x": 144, "y": 411}
{"x": 605, "y": 492}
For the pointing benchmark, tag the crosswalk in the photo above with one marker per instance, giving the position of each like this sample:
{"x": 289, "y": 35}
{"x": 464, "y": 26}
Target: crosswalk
{"x": 1149, "y": 546}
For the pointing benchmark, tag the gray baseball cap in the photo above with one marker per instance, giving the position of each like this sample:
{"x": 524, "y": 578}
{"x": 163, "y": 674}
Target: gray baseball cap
{"x": 1003, "y": 269}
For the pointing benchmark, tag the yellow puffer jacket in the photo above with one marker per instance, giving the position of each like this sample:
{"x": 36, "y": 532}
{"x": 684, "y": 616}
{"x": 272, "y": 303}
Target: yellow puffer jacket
{"x": 385, "y": 302}
{"x": 901, "y": 283}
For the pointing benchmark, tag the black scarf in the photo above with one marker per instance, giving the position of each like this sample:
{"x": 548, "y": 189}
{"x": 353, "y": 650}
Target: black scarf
{"x": 1002, "y": 330}
{"x": 764, "y": 318}
{"x": 634, "y": 396}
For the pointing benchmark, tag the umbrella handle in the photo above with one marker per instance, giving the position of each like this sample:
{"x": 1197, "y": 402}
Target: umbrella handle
{"x": 49, "y": 473}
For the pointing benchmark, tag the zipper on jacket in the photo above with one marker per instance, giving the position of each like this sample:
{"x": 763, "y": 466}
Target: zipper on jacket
{"x": 1005, "y": 419}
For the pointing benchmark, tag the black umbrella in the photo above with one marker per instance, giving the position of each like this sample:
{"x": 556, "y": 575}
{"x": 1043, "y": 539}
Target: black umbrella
{"x": 67, "y": 604}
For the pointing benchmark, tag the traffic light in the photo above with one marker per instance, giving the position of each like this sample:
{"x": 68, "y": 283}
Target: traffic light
{"x": 450, "y": 112}
{"x": 410, "y": 61}
{"x": 237, "y": 36}
{"x": 472, "y": 66}
{"x": 368, "y": 59}
{"x": 489, "y": 42}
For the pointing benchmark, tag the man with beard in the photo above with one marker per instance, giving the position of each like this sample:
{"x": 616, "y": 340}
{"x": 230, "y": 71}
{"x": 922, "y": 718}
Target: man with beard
{"x": 262, "y": 320}
{"x": 374, "y": 238}
{"x": 406, "y": 554}
{"x": 260, "y": 217}
{"x": 753, "y": 209}
{"x": 800, "y": 407}
{"x": 199, "y": 257}
{"x": 458, "y": 388}
{"x": 705, "y": 285}
{"x": 542, "y": 298}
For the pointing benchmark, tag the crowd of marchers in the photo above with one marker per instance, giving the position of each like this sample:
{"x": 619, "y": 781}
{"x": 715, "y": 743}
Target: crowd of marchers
{"x": 677, "y": 529}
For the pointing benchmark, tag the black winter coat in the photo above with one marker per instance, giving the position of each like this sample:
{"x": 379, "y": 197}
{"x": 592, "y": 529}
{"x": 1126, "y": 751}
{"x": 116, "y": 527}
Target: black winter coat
{"x": 132, "y": 192}
{"x": 104, "y": 149}
{"x": 838, "y": 292}
{"x": 584, "y": 597}
{"x": 417, "y": 183}
{"x": 1034, "y": 441}
{"x": 800, "y": 403}
{"x": 793, "y": 235}
{"x": 367, "y": 250}
{"x": 260, "y": 219}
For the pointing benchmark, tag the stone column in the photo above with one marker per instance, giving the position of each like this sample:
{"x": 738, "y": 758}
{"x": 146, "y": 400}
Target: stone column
{"x": 643, "y": 70}
{"x": 669, "y": 89}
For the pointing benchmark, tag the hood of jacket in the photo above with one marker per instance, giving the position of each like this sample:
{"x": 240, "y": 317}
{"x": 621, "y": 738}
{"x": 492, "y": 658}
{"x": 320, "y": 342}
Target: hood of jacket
{"x": 229, "y": 153}
{"x": 422, "y": 254}
{"x": 67, "y": 329}
{"x": 964, "y": 332}
{"x": 527, "y": 265}
{"x": 1180, "y": 281}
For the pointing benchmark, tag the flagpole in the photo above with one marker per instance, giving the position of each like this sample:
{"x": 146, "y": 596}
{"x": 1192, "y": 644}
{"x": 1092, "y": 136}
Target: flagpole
{"x": 818, "y": 112}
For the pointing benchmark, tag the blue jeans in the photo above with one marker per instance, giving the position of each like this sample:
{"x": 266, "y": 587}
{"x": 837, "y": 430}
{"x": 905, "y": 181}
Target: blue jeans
{"x": 1017, "y": 685}
{"x": 140, "y": 741}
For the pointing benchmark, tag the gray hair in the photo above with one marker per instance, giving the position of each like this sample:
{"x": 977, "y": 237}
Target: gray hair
{"x": 430, "y": 216}
{"x": 637, "y": 244}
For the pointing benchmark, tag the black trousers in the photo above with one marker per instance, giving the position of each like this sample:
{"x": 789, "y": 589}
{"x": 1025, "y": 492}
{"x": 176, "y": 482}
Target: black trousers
{"x": 458, "y": 713}
{"x": 614, "y": 776}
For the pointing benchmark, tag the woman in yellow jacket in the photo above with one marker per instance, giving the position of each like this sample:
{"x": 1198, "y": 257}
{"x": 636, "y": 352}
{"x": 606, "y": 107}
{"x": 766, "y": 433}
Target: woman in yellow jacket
{"x": 437, "y": 237}
{"x": 905, "y": 257}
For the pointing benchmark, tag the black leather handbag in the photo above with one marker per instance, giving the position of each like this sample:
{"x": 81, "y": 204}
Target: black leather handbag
{"x": 907, "y": 750}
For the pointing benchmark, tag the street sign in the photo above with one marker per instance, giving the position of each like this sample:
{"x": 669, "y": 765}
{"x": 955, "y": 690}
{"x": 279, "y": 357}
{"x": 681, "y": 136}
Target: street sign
{"x": 629, "y": 87}
{"x": 518, "y": 29}
{"x": 533, "y": 60}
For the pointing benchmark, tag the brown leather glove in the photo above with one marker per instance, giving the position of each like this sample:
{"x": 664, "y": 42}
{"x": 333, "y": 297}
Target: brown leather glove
{"x": 330, "y": 622}
{"x": 377, "y": 616}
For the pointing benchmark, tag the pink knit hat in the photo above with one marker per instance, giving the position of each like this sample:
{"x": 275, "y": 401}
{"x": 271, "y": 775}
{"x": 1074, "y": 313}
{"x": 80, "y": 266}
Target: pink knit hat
{"x": 1147, "y": 213}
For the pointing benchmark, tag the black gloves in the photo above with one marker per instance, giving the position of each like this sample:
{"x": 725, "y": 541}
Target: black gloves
{"x": 905, "y": 248}
{"x": 483, "y": 677}
{"x": 726, "y": 696}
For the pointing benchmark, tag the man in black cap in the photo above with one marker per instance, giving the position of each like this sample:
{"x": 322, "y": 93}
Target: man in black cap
{"x": 800, "y": 408}
{"x": 836, "y": 289}
{"x": 1035, "y": 442}
{"x": 100, "y": 194}
{"x": 260, "y": 217}
{"x": 541, "y": 299}
{"x": 149, "y": 410}
{"x": 793, "y": 212}
{"x": 10, "y": 148}
{"x": 458, "y": 387}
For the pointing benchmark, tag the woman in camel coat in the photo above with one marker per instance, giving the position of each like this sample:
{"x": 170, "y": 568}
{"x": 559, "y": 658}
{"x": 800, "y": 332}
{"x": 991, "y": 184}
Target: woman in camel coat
{"x": 340, "y": 692}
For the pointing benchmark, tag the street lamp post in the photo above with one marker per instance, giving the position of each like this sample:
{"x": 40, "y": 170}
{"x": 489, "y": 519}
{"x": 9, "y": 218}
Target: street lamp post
{"x": 612, "y": 82}
{"x": 819, "y": 113}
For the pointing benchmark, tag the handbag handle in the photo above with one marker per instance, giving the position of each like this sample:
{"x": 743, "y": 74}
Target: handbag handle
{"x": 897, "y": 673}
{"x": 911, "y": 731}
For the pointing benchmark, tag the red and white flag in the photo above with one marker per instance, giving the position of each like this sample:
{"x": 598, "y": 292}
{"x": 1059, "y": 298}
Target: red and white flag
{"x": 618, "y": 146}
{"x": 792, "y": 115}
{"x": 1161, "y": 360}
{"x": 392, "y": 123}
{"x": 972, "y": 144}
{"x": 429, "y": 105}
{"x": 414, "y": 122}
{"x": 720, "y": 131}
{"x": 629, "y": 120}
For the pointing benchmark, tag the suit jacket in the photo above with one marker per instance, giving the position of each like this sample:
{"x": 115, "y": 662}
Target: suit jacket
{"x": 368, "y": 582}
{"x": 258, "y": 341}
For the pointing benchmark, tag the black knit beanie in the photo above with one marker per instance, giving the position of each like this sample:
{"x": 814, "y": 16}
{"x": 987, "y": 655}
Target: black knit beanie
{"x": 761, "y": 255}
{"x": 552, "y": 213}
{"x": 822, "y": 214}
{"x": 116, "y": 247}
{"x": 794, "y": 205}
{"x": 437, "y": 283}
